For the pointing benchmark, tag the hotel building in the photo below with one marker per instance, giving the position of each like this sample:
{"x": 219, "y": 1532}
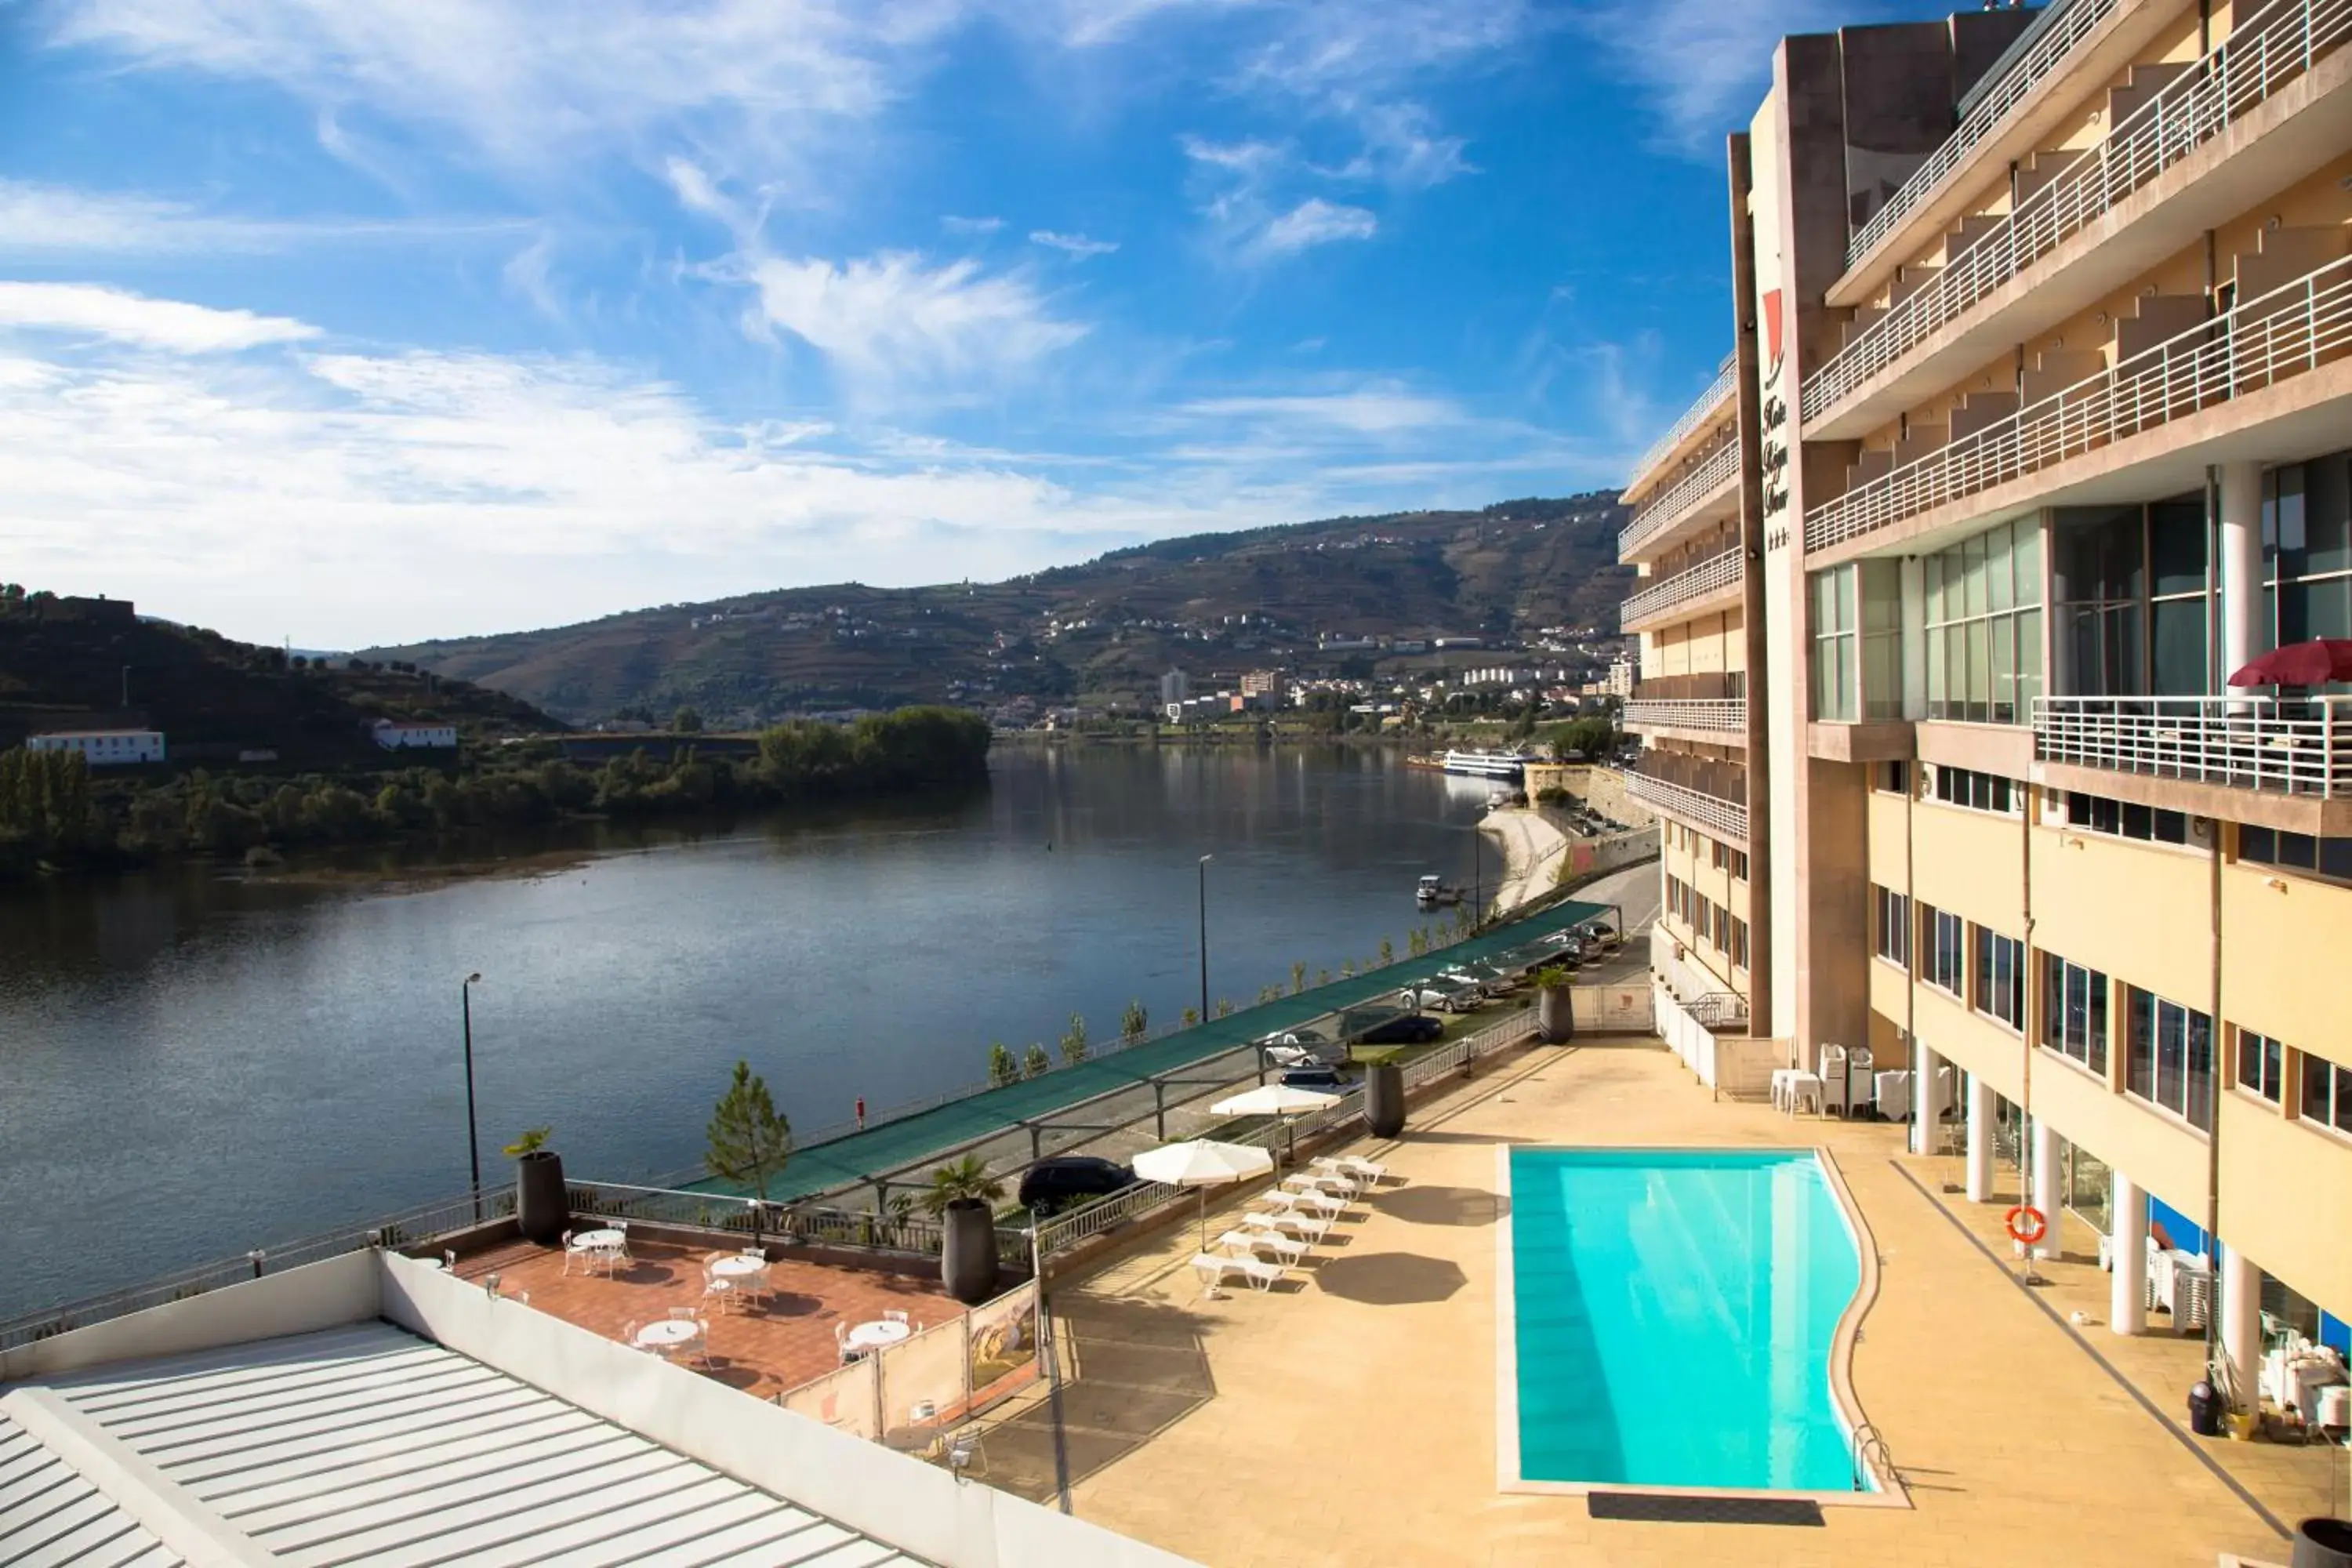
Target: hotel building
{"x": 2035, "y": 428}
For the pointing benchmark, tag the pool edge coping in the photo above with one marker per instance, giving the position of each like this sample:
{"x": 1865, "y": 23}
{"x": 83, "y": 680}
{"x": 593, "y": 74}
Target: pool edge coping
{"x": 1843, "y": 1340}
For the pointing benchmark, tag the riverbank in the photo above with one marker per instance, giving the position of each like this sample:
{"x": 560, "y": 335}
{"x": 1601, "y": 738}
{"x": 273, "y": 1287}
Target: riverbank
{"x": 1531, "y": 849}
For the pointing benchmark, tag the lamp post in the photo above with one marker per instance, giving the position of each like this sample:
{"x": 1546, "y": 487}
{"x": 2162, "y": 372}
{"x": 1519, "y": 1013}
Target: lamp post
{"x": 1205, "y": 936}
{"x": 473, "y": 1138}
{"x": 1477, "y": 876}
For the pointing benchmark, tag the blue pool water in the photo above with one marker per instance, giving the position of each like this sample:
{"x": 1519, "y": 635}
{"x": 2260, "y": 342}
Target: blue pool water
{"x": 1675, "y": 1314}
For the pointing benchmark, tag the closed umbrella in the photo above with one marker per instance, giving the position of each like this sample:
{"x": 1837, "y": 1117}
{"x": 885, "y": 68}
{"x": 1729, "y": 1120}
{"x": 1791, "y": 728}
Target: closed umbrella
{"x": 2313, "y": 663}
{"x": 1202, "y": 1162}
{"x": 1282, "y": 1100}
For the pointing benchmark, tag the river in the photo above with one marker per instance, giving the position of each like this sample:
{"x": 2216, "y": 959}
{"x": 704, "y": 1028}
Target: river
{"x": 193, "y": 1062}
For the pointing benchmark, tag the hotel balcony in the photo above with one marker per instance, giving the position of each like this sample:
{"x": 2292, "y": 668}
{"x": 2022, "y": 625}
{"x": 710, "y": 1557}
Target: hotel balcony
{"x": 1712, "y": 708}
{"x": 1685, "y": 434}
{"x": 2193, "y": 144}
{"x": 1716, "y": 583}
{"x": 1707, "y": 492}
{"x": 1707, "y": 996}
{"x": 2299, "y": 749}
{"x": 1709, "y": 795}
{"x": 2268, "y": 376}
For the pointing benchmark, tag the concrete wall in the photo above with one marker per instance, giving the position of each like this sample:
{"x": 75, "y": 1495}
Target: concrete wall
{"x": 2287, "y": 1198}
{"x": 302, "y": 1301}
{"x": 2279, "y": 943}
{"x": 2138, "y": 912}
{"x": 917, "y": 1507}
{"x": 1970, "y": 863}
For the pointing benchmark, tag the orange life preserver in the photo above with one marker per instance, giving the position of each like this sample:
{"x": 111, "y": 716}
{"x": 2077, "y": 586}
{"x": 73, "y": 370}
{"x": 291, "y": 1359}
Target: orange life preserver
{"x": 2026, "y": 1225}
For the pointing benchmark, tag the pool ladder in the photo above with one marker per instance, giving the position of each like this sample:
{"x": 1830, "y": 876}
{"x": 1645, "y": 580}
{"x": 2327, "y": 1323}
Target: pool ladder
{"x": 1870, "y": 1444}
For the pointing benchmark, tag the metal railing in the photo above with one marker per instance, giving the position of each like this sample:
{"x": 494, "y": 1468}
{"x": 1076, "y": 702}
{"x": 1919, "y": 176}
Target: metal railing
{"x": 1728, "y": 714}
{"x": 1711, "y": 575}
{"x": 1976, "y": 127}
{"x": 2269, "y": 49}
{"x": 410, "y": 1227}
{"x": 2257, "y": 343}
{"x": 1725, "y": 818}
{"x": 1696, "y": 989}
{"x": 2293, "y": 746}
{"x": 893, "y": 1230}
{"x": 1694, "y": 416}
{"x": 1662, "y": 511}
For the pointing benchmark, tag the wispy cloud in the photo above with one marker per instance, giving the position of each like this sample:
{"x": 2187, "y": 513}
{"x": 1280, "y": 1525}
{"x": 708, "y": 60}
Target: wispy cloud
{"x": 1076, "y": 245}
{"x": 1311, "y": 223}
{"x": 971, "y": 226}
{"x": 1381, "y": 408}
{"x": 90, "y": 310}
{"x": 528, "y": 273}
{"x": 1236, "y": 182}
{"x": 48, "y": 220}
{"x": 1705, "y": 65}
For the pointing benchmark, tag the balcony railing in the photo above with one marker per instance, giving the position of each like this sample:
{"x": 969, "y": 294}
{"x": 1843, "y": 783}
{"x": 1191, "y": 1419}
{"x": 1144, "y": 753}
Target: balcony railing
{"x": 2272, "y": 48}
{"x": 2258, "y": 343}
{"x": 1692, "y": 417}
{"x": 1697, "y": 989}
{"x": 2291, "y": 746}
{"x": 1662, "y": 511}
{"x": 1729, "y": 715}
{"x": 1722, "y": 817}
{"x": 1710, "y": 575}
{"x": 2046, "y": 55}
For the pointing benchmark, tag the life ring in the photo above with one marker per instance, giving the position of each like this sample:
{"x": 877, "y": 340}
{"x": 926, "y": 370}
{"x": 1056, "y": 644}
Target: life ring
{"x": 2026, "y": 1225}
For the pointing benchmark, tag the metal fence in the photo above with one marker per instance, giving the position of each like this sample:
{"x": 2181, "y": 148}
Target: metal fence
{"x": 2258, "y": 343}
{"x": 2258, "y": 57}
{"x": 1724, "y": 819}
{"x": 1709, "y": 713}
{"x": 2295, "y": 747}
{"x": 896, "y": 1229}
{"x": 1662, "y": 511}
{"x": 1711, "y": 575}
{"x": 1717, "y": 391}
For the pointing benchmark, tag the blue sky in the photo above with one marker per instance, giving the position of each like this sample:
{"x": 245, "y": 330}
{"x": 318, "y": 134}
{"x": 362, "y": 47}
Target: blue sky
{"x": 366, "y": 321}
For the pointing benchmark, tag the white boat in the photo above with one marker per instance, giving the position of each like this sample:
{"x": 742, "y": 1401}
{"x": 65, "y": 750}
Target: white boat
{"x": 1433, "y": 891}
{"x": 1489, "y": 764}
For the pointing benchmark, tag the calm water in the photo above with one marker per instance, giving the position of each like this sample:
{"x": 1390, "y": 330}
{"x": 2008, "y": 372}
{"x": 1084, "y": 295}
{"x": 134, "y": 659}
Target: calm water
{"x": 192, "y": 1064}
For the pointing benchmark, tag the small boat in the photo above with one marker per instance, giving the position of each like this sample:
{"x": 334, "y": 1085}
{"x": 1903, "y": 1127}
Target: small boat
{"x": 1489, "y": 764}
{"x": 1433, "y": 893}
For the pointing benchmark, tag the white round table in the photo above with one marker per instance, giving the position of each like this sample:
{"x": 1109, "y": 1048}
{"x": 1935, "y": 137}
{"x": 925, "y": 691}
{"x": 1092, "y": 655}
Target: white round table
{"x": 739, "y": 1268}
{"x": 666, "y": 1334}
{"x": 601, "y": 1239}
{"x": 878, "y": 1335}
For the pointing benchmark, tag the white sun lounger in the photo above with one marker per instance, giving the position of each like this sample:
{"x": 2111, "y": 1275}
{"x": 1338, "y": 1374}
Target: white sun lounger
{"x": 1213, "y": 1270}
{"x": 1354, "y": 1165}
{"x": 1319, "y": 1182}
{"x": 1307, "y": 1225}
{"x": 1244, "y": 1242}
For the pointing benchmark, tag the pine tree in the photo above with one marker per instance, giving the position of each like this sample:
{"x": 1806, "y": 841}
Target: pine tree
{"x": 748, "y": 1140}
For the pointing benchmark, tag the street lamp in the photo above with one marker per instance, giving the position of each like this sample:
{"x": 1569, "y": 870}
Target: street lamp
{"x": 473, "y": 1138}
{"x": 1205, "y": 936}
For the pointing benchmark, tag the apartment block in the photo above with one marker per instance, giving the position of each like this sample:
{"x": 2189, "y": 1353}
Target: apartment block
{"x": 2036, "y": 425}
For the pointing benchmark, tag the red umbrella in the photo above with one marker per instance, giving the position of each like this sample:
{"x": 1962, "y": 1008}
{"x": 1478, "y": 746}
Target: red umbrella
{"x": 2313, "y": 663}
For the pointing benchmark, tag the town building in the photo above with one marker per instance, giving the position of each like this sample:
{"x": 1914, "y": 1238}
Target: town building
{"x": 104, "y": 748}
{"x": 1174, "y": 688}
{"x": 2033, "y": 432}
{"x": 397, "y": 737}
{"x": 1266, "y": 683}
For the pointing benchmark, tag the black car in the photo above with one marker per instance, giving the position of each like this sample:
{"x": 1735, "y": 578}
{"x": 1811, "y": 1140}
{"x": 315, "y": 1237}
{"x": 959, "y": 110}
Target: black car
{"x": 1323, "y": 1080}
{"x": 1067, "y": 1180}
{"x": 1406, "y": 1029}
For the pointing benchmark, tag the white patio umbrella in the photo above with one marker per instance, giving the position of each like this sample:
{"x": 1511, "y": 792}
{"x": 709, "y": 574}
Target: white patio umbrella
{"x": 1202, "y": 1162}
{"x": 1276, "y": 1100}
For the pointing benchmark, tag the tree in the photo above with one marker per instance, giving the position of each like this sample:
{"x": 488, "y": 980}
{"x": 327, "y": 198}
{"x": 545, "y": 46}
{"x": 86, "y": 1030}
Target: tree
{"x": 1388, "y": 953}
{"x": 687, "y": 721}
{"x": 1036, "y": 1064}
{"x": 748, "y": 1140}
{"x": 1001, "y": 1066}
{"x": 1224, "y": 1006}
{"x": 962, "y": 1181}
{"x": 1134, "y": 1024}
{"x": 1073, "y": 1040}
{"x": 1299, "y": 977}
{"x": 1192, "y": 1016}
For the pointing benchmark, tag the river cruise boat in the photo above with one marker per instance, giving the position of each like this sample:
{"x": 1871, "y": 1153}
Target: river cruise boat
{"x": 1489, "y": 764}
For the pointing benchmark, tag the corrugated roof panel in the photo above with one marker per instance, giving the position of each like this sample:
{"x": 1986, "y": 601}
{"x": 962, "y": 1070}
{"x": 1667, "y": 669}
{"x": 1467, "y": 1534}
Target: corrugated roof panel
{"x": 50, "y": 1516}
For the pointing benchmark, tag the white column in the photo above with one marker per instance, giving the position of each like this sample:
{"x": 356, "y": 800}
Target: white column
{"x": 2046, "y": 1195}
{"x": 2240, "y": 564}
{"x": 1924, "y": 1111}
{"x": 2241, "y": 1306}
{"x": 2127, "y": 1292}
{"x": 1981, "y": 1116}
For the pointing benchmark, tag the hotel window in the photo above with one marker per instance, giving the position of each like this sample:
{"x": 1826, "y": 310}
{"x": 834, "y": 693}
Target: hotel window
{"x": 1947, "y": 964}
{"x": 2097, "y": 814}
{"x": 2261, "y": 1066}
{"x": 1699, "y": 921}
{"x": 2000, "y": 977}
{"x": 1984, "y": 626}
{"x": 1718, "y": 856}
{"x": 1978, "y": 791}
{"x": 2326, "y": 1093}
{"x": 2130, "y": 592}
{"x": 2168, "y": 1055}
{"x": 2074, "y": 1012}
{"x": 1893, "y": 936}
{"x": 1737, "y": 945}
{"x": 2296, "y": 851}
{"x": 1739, "y": 865}
{"x": 1858, "y": 642}
{"x": 2307, "y": 549}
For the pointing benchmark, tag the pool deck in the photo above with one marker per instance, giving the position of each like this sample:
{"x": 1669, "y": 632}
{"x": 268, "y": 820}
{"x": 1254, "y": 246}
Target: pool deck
{"x": 1349, "y": 1418}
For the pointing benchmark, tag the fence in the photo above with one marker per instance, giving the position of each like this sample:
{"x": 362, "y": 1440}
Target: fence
{"x": 1612, "y": 1009}
{"x": 1712, "y": 575}
{"x": 2295, "y": 747}
{"x": 938, "y": 1376}
{"x": 1717, "y": 391}
{"x": 1659, "y": 514}
{"x": 903, "y": 1231}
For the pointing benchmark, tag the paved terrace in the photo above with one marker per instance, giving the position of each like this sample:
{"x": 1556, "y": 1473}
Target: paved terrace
{"x": 1349, "y": 1418}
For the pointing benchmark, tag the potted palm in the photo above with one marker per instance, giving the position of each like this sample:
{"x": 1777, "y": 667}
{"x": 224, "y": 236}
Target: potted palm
{"x": 1555, "y": 1006}
{"x": 961, "y": 1199}
{"x": 541, "y": 1210}
{"x": 1384, "y": 1094}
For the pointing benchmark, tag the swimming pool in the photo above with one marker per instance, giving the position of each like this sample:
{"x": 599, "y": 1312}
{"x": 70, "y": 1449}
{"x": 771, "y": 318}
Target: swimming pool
{"x": 1669, "y": 1317}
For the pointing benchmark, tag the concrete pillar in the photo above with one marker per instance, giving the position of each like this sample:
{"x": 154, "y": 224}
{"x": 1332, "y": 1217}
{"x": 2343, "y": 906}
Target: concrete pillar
{"x": 1926, "y": 1114}
{"x": 2240, "y": 1288}
{"x": 2241, "y": 566}
{"x": 2048, "y": 1196}
{"x": 2127, "y": 1291}
{"x": 1982, "y": 1115}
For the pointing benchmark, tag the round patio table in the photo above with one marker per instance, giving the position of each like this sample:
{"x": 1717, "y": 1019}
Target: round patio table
{"x": 668, "y": 1333}
{"x": 878, "y": 1335}
{"x": 739, "y": 1268}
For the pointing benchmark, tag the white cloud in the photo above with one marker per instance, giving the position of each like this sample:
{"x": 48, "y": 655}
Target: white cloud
{"x": 88, "y": 310}
{"x": 527, "y": 273}
{"x": 1311, "y": 223}
{"x": 1705, "y": 65}
{"x": 971, "y": 226}
{"x": 44, "y": 220}
{"x": 1076, "y": 245}
{"x": 1380, "y": 409}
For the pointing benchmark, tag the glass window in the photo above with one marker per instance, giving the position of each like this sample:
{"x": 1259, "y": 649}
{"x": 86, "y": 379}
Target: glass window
{"x": 1947, "y": 966}
{"x": 2260, "y": 1065}
{"x": 1893, "y": 935}
{"x": 2074, "y": 1012}
{"x": 2000, "y": 980}
{"x": 2307, "y": 549}
{"x": 2326, "y": 1093}
{"x": 2168, "y": 1057}
{"x": 1984, "y": 659}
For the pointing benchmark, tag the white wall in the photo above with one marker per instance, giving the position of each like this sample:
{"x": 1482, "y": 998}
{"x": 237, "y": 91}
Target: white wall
{"x": 914, "y": 1506}
{"x": 302, "y": 1301}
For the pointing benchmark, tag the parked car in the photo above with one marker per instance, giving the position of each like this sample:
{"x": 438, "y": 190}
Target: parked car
{"x": 1405, "y": 1029}
{"x": 1600, "y": 934}
{"x": 1444, "y": 995}
{"x": 1323, "y": 1080}
{"x": 1490, "y": 978}
{"x": 1065, "y": 1181}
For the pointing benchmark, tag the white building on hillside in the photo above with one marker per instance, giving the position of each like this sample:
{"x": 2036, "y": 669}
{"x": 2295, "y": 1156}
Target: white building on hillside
{"x": 104, "y": 748}
{"x": 398, "y": 737}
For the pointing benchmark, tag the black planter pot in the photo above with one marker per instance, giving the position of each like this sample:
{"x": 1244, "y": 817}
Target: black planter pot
{"x": 2323, "y": 1543}
{"x": 968, "y": 1252}
{"x": 540, "y": 1209}
{"x": 1384, "y": 1099}
{"x": 1556, "y": 1015}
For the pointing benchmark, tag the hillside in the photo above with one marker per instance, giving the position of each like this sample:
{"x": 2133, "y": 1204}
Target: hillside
{"x": 1098, "y": 633}
{"x": 71, "y": 663}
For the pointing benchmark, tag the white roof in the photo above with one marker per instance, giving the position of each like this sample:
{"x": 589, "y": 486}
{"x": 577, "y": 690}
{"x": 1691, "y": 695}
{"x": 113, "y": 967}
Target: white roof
{"x": 50, "y": 1512}
{"x": 367, "y": 1445}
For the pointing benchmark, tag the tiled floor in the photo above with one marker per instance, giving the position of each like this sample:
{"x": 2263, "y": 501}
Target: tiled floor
{"x": 768, "y": 1346}
{"x": 1350, "y": 1419}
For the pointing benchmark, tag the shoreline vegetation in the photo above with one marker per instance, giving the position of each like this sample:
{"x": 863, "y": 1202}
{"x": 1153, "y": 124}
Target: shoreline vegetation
{"x": 57, "y": 817}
